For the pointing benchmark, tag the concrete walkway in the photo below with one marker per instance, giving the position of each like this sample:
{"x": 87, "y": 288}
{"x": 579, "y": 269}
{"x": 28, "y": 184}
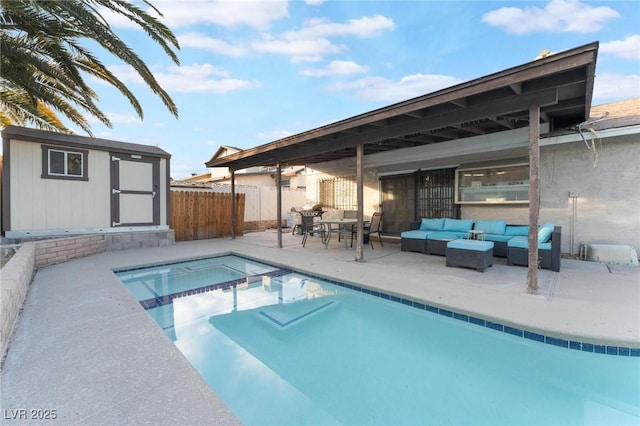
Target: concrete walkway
{"x": 85, "y": 348}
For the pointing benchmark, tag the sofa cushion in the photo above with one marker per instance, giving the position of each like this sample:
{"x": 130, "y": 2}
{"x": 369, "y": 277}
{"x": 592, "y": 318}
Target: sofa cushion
{"x": 494, "y": 237}
{"x": 432, "y": 224}
{"x": 446, "y": 235}
{"x": 517, "y": 230}
{"x": 544, "y": 233}
{"x": 457, "y": 225}
{"x": 523, "y": 243}
{"x": 415, "y": 235}
{"x": 496, "y": 227}
{"x": 474, "y": 245}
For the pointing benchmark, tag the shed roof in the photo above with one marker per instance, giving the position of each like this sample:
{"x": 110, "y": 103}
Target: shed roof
{"x": 561, "y": 83}
{"x": 76, "y": 141}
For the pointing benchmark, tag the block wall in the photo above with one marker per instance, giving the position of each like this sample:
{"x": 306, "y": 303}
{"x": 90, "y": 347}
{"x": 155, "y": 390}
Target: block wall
{"x": 18, "y": 272}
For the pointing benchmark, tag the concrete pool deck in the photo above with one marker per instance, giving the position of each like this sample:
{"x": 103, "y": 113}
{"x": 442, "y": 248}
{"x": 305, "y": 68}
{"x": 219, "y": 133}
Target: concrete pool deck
{"x": 84, "y": 347}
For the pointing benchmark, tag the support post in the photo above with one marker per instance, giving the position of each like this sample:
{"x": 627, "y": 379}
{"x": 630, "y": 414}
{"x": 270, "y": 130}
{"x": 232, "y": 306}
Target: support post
{"x": 534, "y": 197}
{"x": 279, "y": 201}
{"x": 233, "y": 204}
{"x": 360, "y": 201}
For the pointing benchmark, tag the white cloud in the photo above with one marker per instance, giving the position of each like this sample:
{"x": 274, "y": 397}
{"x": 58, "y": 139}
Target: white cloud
{"x": 203, "y": 78}
{"x": 204, "y": 42}
{"x": 196, "y": 78}
{"x": 183, "y": 13}
{"x": 361, "y": 27}
{"x": 312, "y": 42}
{"x": 614, "y": 86}
{"x": 629, "y": 48}
{"x": 558, "y": 16}
{"x": 337, "y": 68}
{"x": 384, "y": 90}
{"x": 314, "y": 2}
{"x": 118, "y": 118}
{"x": 299, "y": 50}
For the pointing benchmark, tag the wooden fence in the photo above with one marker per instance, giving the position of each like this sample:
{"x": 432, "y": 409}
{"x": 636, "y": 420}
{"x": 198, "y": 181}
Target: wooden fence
{"x": 203, "y": 215}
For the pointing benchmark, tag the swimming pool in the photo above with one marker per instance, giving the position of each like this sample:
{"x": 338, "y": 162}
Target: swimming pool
{"x": 286, "y": 348}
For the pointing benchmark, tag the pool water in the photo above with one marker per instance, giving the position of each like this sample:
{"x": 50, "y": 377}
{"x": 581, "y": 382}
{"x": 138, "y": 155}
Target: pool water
{"x": 283, "y": 348}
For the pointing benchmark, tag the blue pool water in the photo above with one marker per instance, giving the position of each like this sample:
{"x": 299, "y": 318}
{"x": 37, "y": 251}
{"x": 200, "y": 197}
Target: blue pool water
{"x": 283, "y": 348}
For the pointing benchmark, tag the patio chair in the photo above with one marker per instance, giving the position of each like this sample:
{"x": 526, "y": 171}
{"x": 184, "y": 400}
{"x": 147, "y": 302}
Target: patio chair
{"x": 373, "y": 227}
{"x": 310, "y": 227}
{"x": 305, "y": 215}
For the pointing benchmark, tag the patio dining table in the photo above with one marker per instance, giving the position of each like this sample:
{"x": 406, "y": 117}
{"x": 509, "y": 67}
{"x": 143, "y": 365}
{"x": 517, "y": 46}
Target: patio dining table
{"x": 343, "y": 226}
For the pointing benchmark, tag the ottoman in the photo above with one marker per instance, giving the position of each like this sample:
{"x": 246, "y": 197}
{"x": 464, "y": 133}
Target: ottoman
{"x": 470, "y": 254}
{"x": 437, "y": 242}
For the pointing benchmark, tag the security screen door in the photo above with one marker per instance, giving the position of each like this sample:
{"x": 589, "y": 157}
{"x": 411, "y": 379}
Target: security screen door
{"x": 410, "y": 197}
{"x": 135, "y": 182}
{"x": 398, "y": 203}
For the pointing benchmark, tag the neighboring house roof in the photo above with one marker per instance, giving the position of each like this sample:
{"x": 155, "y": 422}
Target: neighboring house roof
{"x": 616, "y": 114}
{"x": 63, "y": 139}
{"x": 561, "y": 84}
{"x": 287, "y": 172}
{"x": 224, "y": 151}
{"x": 292, "y": 171}
{"x": 203, "y": 177}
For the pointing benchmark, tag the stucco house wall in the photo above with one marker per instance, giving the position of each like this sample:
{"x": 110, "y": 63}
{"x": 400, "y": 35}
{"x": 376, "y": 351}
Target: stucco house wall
{"x": 370, "y": 183}
{"x": 606, "y": 190}
{"x": 607, "y": 196}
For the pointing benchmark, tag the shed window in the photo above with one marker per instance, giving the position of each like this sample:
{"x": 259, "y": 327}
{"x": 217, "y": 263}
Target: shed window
{"x": 60, "y": 163}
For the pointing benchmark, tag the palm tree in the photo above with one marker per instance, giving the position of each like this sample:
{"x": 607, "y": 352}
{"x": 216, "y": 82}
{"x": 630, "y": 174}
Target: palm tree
{"x": 43, "y": 61}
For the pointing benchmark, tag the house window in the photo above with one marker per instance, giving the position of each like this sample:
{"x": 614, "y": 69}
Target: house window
{"x": 498, "y": 184}
{"x": 62, "y": 163}
{"x": 338, "y": 193}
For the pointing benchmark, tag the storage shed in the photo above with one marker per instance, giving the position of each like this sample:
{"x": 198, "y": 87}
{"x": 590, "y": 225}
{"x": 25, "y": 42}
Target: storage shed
{"x": 58, "y": 184}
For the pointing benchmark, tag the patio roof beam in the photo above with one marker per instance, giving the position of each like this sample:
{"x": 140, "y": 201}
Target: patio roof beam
{"x": 515, "y": 104}
{"x": 338, "y": 145}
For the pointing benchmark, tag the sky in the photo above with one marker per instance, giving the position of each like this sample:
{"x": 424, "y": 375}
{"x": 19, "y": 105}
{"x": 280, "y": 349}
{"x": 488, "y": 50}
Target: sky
{"x": 253, "y": 72}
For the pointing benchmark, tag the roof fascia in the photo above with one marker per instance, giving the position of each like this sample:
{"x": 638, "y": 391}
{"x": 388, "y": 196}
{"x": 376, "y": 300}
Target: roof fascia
{"x": 602, "y": 134}
{"x": 77, "y": 141}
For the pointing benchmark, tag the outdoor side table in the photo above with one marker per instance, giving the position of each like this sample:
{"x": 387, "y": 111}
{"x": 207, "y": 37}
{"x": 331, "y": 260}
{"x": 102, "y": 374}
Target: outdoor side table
{"x": 475, "y": 234}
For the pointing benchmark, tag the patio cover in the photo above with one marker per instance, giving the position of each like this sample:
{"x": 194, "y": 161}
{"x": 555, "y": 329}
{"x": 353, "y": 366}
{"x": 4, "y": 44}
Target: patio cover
{"x": 556, "y": 88}
{"x": 561, "y": 83}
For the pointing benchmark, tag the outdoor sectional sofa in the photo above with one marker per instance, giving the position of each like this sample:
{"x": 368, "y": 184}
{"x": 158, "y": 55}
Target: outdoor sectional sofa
{"x": 441, "y": 229}
{"x": 430, "y": 236}
{"x": 549, "y": 240}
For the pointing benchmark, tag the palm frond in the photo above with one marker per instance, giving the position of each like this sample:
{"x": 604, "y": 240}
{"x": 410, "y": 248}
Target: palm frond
{"x": 44, "y": 62}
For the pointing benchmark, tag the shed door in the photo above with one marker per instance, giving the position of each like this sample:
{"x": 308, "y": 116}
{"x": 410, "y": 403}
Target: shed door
{"x": 135, "y": 182}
